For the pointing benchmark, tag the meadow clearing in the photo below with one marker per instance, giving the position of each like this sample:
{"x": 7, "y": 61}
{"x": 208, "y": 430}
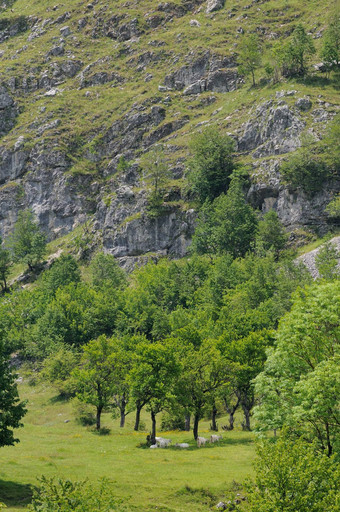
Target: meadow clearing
{"x": 53, "y": 444}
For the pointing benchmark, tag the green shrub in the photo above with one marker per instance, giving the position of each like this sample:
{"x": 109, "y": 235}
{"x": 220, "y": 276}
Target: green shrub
{"x": 173, "y": 420}
{"x": 84, "y": 413}
{"x": 307, "y": 169}
{"x": 66, "y": 496}
{"x": 57, "y": 370}
{"x": 271, "y": 234}
{"x": 228, "y": 224}
{"x": 333, "y": 208}
{"x": 212, "y": 163}
{"x": 292, "y": 477}
{"x": 326, "y": 261}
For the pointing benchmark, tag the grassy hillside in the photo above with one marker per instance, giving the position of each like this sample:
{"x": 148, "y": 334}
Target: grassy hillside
{"x": 155, "y": 51}
{"x": 168, "y": 480}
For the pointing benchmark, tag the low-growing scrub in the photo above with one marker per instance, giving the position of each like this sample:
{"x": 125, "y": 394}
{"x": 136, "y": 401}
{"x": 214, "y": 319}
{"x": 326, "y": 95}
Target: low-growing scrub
{"x": 66, "y": 496}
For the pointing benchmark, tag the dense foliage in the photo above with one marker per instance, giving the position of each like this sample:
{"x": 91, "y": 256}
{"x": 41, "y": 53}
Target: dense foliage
{"x": 66, "y": 496}
{"x": 212, "y": 163}
{"x": 11, "y": 409}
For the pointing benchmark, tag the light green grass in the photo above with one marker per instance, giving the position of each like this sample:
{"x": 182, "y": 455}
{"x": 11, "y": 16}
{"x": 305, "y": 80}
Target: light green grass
{"x": 146, "y": 478}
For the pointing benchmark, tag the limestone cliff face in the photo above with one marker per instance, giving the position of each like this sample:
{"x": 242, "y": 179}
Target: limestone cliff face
{"x": 82, "y": 86}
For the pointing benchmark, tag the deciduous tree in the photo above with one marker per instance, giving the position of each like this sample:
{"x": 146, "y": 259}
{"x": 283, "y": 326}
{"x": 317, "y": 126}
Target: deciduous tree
{"x": 151, "y": 378}
{"x": 249, "y": 57}
{"x": 5, "y": 265}
{"x": 211, "y": 164}
{"x": 27, "y": 241}
{"x": 97, "y": 376}
{"x": 292, "y": 476}
{"x": 300, "y": 384}
{"x": 12, "y": 409}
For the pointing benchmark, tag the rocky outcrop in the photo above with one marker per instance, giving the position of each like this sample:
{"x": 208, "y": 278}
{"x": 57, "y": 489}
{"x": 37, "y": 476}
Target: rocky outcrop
{"x": 208, "y": 72}
{"x": 8, "y": 112}
{"x": 12, "y": 27}
{"x": 214, "y": 5}
{"x": 127, "y": 233}
{"x": 98, "y": 73}
{"x": 273, "y": 129}
{"x": 84, "y": 86}
{"x": 12, "y": 163}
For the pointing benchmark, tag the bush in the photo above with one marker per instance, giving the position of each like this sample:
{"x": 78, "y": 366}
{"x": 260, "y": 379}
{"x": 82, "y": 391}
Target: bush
{"x": 212, "y": 163}
{"x": 57, "y": 370}
{"x": 106, "y": 272}
{"x": 67, "y": 496}
{"x": 64, "y": 270}
{"x": 271, "y": 233}
{"x": 228, "y": 224}
{"x": 292, "y": 477}
{"x": 326, "y": 261}
{"x": 333, "y": 208}
{"x": 84, "y": 413}
{"x": 306, "y": 169}
{"x": 173, "y": 420}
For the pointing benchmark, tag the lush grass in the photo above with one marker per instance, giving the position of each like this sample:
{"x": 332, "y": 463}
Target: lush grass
{"x": 169, "y": 479}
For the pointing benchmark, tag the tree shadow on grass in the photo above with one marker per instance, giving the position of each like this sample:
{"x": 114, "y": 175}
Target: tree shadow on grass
{"x": 225, "y": 441}
{"x": 14, "y": 494}
{"x": 59, "y": 399}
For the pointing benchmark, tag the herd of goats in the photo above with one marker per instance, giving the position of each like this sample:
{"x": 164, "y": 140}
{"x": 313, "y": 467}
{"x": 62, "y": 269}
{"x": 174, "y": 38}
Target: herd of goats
{"x": 201, "y": 441}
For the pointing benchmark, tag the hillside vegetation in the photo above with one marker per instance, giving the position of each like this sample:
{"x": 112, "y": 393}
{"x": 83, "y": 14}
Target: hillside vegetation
{"x": 169, "y": 258}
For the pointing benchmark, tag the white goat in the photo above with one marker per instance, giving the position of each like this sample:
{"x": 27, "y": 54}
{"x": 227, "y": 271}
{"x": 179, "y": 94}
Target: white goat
{"x": 215, "y": 439}
{"x": 201, "y": 441}
{"x": 163, "y": 443}
{"x": 182, "y": 445}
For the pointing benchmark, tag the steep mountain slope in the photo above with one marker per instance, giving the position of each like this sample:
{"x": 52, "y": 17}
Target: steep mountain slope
{"x": 84, "y": 83}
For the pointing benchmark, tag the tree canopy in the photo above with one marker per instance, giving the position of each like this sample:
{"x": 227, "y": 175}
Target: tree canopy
{"x": 27, "y": 242}
{"x": 12, "y": 409}
{"x": 300, "y": 385}
{"x": 212, "y": 163}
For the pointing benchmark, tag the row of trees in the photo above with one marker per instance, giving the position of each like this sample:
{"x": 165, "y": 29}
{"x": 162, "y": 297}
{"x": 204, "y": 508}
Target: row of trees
{"x": 211, "y": 316}
{"x": 193, "y": 308}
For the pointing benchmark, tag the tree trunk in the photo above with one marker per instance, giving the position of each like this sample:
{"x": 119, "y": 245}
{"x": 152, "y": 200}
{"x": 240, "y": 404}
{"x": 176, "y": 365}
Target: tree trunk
{"x": 329, "y": 445}
{"x": 214, "y": 426}
{"x": 187, "y": 423}
{"x": 246, "y": 412}
{"x": 196, "y": 421}
{"x": 231, "y": 411}
{"x": 122, "y": 418}
{"x": 122, "y": 412}
{"x": 139, "y": 408}
{"x": 99, "y": 412}
{"x": 153, "y": 431}
{"x": 231, "y": 420}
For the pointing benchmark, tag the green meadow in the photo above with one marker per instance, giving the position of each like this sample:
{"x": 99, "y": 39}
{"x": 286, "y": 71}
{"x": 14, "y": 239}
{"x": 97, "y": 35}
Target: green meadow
{"x": 53, "y": 444}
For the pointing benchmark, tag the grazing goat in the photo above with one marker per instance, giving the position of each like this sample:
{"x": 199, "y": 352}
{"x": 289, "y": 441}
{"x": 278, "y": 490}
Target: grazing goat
{"x": 215, "y": 439}
{"x": 182, "y": 445}
{"x": 201, "y": 441}
{"x": 163, "y": 443}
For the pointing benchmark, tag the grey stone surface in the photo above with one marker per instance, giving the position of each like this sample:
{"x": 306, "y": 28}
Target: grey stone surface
{"x": 214, "y": 5}
{"x": 217, "y": 73}
{"x": 273, "y": 129}
{"x": 303, "y": 104}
